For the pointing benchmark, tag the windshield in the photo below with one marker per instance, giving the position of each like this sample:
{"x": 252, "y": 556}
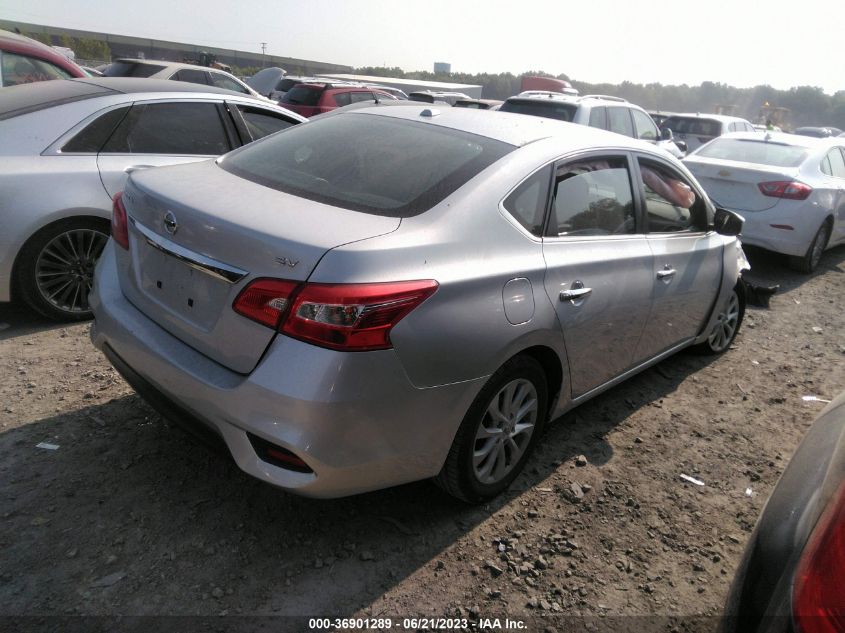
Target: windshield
{"x": 752, "y": 151}
{"x": 362, "y": 162}
{"x": 548, "y": 109}
{"x": 692, "y": 125}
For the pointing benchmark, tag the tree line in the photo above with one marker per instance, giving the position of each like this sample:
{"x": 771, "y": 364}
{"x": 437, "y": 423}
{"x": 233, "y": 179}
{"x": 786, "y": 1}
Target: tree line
{"x": 805, "y": 105}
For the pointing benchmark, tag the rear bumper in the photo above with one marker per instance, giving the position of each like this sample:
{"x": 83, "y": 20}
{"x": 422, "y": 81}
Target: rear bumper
{"x": 355, "y": 419}
{"x": 805, "y": 218}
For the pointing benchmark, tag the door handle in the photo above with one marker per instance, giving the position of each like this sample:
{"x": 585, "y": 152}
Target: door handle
{"x": 132, "y": 168}
{"x": 574, "y": 294}
{"x": 666, "y": 274}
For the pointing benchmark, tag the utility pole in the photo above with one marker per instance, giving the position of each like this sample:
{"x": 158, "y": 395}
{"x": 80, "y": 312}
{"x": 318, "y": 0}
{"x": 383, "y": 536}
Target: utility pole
{"x": 263, "y": 54}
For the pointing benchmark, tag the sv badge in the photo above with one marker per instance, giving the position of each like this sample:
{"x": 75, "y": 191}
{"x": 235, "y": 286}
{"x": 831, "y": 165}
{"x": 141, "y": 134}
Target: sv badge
{"x": 285, "y": 261}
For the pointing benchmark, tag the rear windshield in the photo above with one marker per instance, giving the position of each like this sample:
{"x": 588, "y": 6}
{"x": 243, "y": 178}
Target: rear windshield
{"x": 131, "y": 69}
{"x": 758, "y": 152}
{"x": 286, "y": 84}
{"x": 547, "y": 109}
{"x": 368, "y": 163}
{"x": 693, "y": 125}
{"x": 303, "y": 94}
{"x": 23, "y": 99}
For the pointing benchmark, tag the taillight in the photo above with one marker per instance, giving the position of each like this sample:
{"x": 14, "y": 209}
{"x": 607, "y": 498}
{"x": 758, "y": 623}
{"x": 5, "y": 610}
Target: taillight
{"x": 818, "y": 603}
{"x": 788, "y": 189}
{"x": 119, "y": 221}
{"x": 265, "y": 300}
{"x": 353, "y": 317}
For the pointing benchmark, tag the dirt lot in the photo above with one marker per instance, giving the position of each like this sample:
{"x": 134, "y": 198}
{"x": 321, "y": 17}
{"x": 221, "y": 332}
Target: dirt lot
{"x": 131, "y": 517}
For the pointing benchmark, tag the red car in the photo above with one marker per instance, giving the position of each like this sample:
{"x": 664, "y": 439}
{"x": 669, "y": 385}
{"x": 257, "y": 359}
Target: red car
{"x": 311, "y": 99}
{"x": 23, "y": 60}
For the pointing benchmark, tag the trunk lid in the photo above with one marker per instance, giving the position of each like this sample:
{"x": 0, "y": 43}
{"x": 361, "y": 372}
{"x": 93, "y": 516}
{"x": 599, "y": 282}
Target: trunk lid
{"x": 198, "y": 235}
{"x": 733, "y": 184}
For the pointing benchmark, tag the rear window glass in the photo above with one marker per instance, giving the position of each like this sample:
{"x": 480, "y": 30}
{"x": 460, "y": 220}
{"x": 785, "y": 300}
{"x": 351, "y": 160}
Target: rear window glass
{"x": 693, "y": 125}
{"x": 758, "y": 152}
{"x": 303, "y": 94}
{"x": 547, "y": 109}
{"x": 286, "y": 84}
{"x": 131, "y": 69}
{"x": 361, "y": 162}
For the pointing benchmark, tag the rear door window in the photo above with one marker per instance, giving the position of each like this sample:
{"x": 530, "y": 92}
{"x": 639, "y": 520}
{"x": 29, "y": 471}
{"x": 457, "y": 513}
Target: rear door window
{"x": 593, "y": 197}
{"x": 837, "y": 165}
{"x": 178, "y": 128}
{"x": 619, "y": 121}
{"x": 92, "y": 138}
{"x": 192, "y": 76}
{"x": 358, "y": 97}
{"x": 23, "y": 69}
{"x": 598, "y": 118}
{"x": 342, "y": 98}
{"x": 527, "y": 203}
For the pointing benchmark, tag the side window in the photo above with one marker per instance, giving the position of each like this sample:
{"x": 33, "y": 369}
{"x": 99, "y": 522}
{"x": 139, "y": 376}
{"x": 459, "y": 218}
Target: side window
{"x": 96, "y": 133}
{"x": 620, "y": 121}
{"x": 342, "y": 98}
{"x": 644, "y": 126}
{"x": 22, "y": 69}
{"x": 671, "y": 205}
{"x": 188, "y": 128}
{"x": 527, "y": 203}
{"x": 598, "y": 118}
{"x": 357, "y": 97}
{"x": 227, "y": 83}
{"x": 593, "y": 197}
{"x": 261, "y": 122}
{"x": 837, "y": 165}
{"x": 825, "y": 166}
{"x": 192, "y": 76}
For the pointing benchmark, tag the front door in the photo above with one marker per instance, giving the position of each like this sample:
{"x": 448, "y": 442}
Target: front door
{"x": 599, "y": 267}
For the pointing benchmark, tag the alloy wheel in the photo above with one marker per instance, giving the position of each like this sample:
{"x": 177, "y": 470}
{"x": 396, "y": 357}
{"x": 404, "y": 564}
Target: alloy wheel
{"x": 64, "y": 270}
{"x": 727, "y": 322}
{"x": 505, "y": 431}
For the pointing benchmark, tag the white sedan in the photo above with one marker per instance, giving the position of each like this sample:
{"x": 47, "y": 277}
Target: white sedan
{"x": 790, "y": 189}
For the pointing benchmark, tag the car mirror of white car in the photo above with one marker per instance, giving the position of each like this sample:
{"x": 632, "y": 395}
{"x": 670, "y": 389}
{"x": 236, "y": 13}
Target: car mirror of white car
{"x": 727, "y": 222}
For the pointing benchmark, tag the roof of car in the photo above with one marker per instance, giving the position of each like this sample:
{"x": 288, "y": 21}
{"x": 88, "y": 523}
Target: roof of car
{"x": 137, "y": 84}
{"x": 515, "y": 129}
{"x": 544, "y": 95}
{"x": 783, "y": 138}
{"x": 703, "y": 115}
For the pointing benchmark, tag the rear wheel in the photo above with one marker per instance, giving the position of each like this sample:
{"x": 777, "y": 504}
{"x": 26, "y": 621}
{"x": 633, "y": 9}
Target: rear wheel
{"x": 55, "y": 269}
{"x": 498, "y": 432}
{"x": 726, "y": 328}
{"x": 810, "y": 261}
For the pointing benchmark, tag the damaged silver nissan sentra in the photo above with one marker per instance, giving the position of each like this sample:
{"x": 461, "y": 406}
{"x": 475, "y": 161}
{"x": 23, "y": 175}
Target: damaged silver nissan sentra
{"x": 392, "y": 294}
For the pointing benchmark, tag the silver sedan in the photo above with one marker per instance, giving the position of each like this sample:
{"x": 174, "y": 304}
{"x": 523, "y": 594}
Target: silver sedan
{"x": 392, "y": 294}
{"x": 67, "y": 148}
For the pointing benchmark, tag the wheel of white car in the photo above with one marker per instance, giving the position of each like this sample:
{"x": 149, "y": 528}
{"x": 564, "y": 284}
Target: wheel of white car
{"x": 727, "y": 325}
{"x": 498, "y": 432}
{"x": 55, "y": 268}
{"x": 810, "y": 261}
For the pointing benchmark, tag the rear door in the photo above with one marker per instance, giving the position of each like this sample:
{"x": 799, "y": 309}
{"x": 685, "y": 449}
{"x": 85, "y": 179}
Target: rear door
{"x": 599, "y": 266}
{"x": 836, "y": 160}
{"x": 160, "y": 133}
{"x": 687, "y": 256}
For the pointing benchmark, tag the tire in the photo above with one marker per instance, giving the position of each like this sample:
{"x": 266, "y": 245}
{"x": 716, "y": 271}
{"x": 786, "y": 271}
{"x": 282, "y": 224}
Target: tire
{"x": 810, "y": 261}
{"x": 55, "y": 268}
{"x": 483, "y": 461}
{"x": 722, "y": 335}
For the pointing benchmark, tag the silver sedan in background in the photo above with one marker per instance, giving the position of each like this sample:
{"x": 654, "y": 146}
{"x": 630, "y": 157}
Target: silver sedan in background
{"x": 391, "y": 294}
{"x": 66, "y": 150}
{"x": 790, "y": 190}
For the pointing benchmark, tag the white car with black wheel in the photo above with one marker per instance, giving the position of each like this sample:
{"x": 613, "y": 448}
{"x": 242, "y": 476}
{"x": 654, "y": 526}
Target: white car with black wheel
{"x": 790, "y": 190}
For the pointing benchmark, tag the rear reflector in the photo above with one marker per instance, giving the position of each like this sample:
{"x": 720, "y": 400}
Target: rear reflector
{"x": 119, "y": 221}
{"x": 265, "y": 300}
{"x": 818, "y": 603}
{"x": 787, "y": 189}
{"x": 353, "y": 317}
{"x": 278, "y": 456}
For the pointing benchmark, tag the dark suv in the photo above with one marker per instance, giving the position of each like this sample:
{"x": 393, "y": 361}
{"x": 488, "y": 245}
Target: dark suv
{"x": 311, "y": 99}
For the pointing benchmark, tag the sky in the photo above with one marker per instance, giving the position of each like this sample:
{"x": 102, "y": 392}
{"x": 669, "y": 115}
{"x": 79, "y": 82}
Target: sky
{"x": 741, "y": 43}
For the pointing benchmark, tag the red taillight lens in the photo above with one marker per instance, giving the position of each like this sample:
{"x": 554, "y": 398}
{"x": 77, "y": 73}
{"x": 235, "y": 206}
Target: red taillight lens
{"x": 818, "y": 602}
{"x": 119, "y": 221}
{"x": 353, "y": 317}
{"x": 788, "y": 189}
{"x": 265, "y": 300}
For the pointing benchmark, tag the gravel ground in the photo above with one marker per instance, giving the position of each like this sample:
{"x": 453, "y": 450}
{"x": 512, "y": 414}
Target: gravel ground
{"x": 129, "y": 516}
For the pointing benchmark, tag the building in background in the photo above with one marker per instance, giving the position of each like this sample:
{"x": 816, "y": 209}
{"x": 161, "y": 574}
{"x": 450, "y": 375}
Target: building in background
{"x": 442, "y": 67}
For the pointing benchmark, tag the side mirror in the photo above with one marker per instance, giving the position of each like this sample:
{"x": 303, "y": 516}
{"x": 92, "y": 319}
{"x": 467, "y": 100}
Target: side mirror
{"x": 666, "y": 134}
{"x": 727, "y": 222}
